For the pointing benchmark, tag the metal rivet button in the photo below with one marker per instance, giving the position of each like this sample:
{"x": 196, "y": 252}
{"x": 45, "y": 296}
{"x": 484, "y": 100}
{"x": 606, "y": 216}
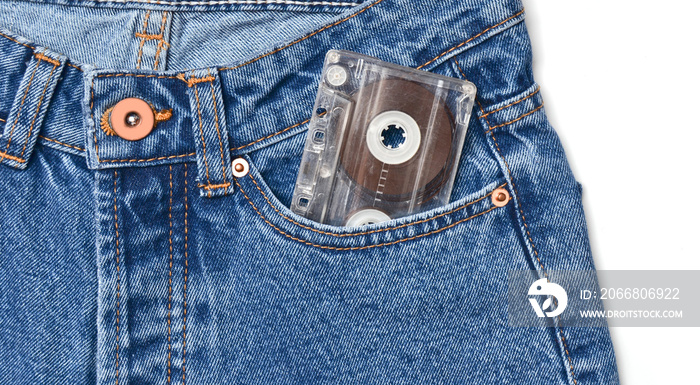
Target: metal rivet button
{"x": 500, "y": 197}
{"x": 240, "y": 167}
{"x": 132, "y": 119}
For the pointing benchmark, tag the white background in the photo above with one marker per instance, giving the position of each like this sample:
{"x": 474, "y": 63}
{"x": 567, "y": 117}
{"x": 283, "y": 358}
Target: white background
{"x": 621, "y": 85}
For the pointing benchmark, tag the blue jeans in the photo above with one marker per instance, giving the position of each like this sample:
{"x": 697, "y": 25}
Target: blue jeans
{"x": 148, "y": 262}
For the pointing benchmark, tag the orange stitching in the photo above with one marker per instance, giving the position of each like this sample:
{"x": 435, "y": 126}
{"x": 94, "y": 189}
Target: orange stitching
{"x": 4, "y": 154}
{"x": 147, "y": 160}
{"x": 371, "y": 231}
{"x": 150, "y": 36}
{"x": 304, "y": 38}
{"x": 170, "y": 272}
{"x": 271, "y": 135}
{"x": 61, "y": 143}
{"x": 529, "y": 236}
{"x": 511, "y": 104}
{"x": 516, "y": 119}
{"x": 566, "y": 349}
{"x": 162, "y": 115}
{"x": 201, "y": 131}
{"x": 140, "y": 76}
{"x": 16, "y": 41}
{"x": 41, "y": 56}
{"x": 332, "y": 25}
{"x": 360, "y": 247}
{"x": 2, "y": 120}
{"x": 32, "y": 47}
{"x": 160, "y": 43}
{"x": 116, "y": 229}
{"x": 522, "y": 214}
{"x": 143, "y": 40}
{"x": 38, "y": 107}
{"x": 193, "y": 80}
{"x": 218, "y": 133}
{"x": 213, "y": 186}
{"x": 184, "y": 290}
{"x": 464, "y": 76}
{"x": 470, "y": 39}
{"x": 104, "y": 123}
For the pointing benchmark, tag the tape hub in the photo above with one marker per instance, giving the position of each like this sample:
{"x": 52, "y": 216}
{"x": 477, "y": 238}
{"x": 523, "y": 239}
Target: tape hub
{"x": 367, "y": 217}
{"x": 393, "y": 137}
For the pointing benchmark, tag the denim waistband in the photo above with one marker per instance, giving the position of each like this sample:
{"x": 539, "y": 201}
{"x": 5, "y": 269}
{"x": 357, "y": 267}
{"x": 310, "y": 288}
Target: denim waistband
{"x": 222, "y": 111}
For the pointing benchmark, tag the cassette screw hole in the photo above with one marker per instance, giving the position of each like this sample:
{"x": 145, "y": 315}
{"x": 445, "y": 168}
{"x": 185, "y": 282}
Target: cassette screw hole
{"x": 393, "y": 136}
{"x": 336, "y": 75}
{"x": 303, "y": 202}
{"x": 500, "y": 197}
{"x": 321, "y": 111}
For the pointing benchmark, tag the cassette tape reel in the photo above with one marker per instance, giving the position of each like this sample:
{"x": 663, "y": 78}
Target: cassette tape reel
{"x": 384, "y": 141}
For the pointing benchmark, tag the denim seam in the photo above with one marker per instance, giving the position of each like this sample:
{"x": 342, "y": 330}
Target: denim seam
{"x": 184, "y": 291}
{"x": 61, "y": 143}
{"x": 192, "y": 80}
{"x": 170, "y": 273}
{"x": 116, "y": 229}
{"x": 19, "y": 111}
{"x": 38, "y": 107}
{"x": 233, "y": 2}
{"x": 143, "y": 39}
{"x": 464, "y": 206}
{"x": 146, "y": 160}
{"x": 533, "y": 93}
{"x": 343, "y": 20}
{"x": 150, "y": 36}
{"x": 304, "y": 37}
{"x": 218, "y": 131}
{"x": 471, "y": 39}
{"x": 92, "y": 117}
{"x": 41, "y": 56}
{"x": 178, "y": 76}
{"x": 5, "y": 155}
{"x": 201, "y": 131}
{"x": 275, "y": 133}
{"x": 33, "y": 47}
{"x": 161, "y": 41}
{"x": 360, "y": 247}
{"x": 529, "y": 236}
{"x": 514, "y": 120}
{"x": 213, "y": 186}
{"x": 485, "y": 115}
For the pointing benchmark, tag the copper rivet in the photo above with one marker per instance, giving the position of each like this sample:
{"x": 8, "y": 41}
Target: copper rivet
{"x": 240, "y": 167}
{"x": 132, "y": 119}
{"x": 500, "y": 197}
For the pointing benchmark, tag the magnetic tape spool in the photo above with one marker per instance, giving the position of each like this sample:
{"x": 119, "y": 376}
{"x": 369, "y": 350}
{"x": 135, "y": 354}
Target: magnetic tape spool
{"x": 422, "y": 150}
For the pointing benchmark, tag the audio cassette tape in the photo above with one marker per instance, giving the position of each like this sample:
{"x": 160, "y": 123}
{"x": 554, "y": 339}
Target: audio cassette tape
{"x": 384, "y": 141}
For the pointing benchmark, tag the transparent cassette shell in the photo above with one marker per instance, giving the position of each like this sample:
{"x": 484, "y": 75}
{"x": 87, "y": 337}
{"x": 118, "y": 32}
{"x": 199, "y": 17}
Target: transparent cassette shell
{"x": 384, "y": 141}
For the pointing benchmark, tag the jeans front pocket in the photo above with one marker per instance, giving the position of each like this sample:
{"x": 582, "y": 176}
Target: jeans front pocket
{"x": 278, "y": 217}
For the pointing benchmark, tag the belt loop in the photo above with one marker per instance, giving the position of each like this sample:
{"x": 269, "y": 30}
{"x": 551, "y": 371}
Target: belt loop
{"x": 215, "y": 176}
{"x": 29, "y": 107}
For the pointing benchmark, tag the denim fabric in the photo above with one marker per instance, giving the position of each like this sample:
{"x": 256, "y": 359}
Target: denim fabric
{"x": 147, "y": 262}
